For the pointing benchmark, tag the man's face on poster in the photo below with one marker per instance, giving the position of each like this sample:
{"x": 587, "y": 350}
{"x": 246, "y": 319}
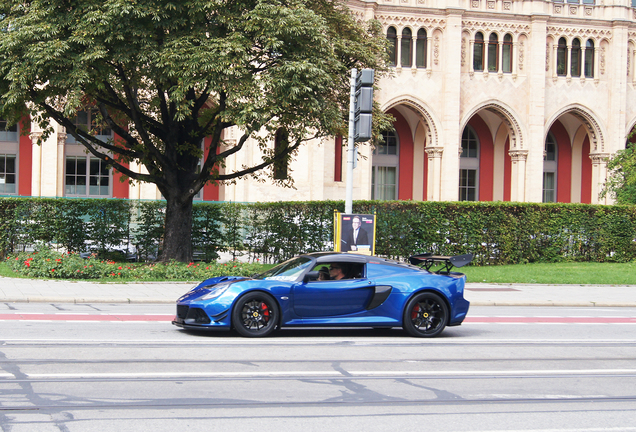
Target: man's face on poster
{"x": 355, "y": 223}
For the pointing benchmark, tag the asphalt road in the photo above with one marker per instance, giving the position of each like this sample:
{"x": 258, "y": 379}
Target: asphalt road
{"x": 73, "y": 367}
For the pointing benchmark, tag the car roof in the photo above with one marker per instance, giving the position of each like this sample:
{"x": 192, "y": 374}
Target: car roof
{"x": 322, "y": 257}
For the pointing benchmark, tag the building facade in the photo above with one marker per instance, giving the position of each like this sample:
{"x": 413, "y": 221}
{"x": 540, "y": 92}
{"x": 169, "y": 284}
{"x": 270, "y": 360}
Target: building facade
{"x": 493, "y": 100}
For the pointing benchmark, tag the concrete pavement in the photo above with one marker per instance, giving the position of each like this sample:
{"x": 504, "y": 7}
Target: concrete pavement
{"x": 479, "y": 294}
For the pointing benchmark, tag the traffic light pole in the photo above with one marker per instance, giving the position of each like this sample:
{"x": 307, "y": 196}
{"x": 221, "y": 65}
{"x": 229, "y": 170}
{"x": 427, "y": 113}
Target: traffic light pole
{"x": 350, "y": 145}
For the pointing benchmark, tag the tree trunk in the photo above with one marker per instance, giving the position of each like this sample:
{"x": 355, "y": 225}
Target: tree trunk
{"x": 177, "y": 242}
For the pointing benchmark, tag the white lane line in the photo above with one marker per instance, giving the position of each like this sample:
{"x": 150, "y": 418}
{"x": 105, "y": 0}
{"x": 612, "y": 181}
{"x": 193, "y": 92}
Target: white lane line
{"x": 303, "y": 374}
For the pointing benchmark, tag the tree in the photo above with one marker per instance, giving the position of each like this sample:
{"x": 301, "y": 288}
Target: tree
{"x": 621, "y": 179}
{"x": 164, "y": 75}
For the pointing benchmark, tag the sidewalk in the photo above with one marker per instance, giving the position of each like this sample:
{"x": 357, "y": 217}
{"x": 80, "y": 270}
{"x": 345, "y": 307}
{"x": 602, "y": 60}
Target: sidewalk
{"x": 54, "y": 291}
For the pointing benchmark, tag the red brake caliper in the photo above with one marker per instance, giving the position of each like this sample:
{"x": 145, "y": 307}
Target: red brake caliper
{"x": 265, "y": 311}
{"x": 415, "y": 311}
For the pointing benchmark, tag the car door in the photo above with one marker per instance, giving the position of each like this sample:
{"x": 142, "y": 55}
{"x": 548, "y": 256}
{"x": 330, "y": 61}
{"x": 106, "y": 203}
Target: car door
{"x": 331, "y": 298}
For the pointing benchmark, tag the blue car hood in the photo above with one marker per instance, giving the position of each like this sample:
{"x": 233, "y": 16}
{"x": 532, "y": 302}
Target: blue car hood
{"x": 207, "y": 285}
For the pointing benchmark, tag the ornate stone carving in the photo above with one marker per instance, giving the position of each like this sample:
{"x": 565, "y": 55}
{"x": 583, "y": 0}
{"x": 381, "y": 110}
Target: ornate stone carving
{"x": 491, "y": 4}
{"x": 501, "y": 27}
{"x": 557, "y": 9}
{"x": 521, "y": 55}
{"x": 61, "y": 138}
{"x": 414, "y": 21}
{"x": 463, "y": 57}
{"x": 574, "y": 10}
{"x": 602, "y": 61}
{"x": 518, "y": 155}
{"x": 434, "y": 152}
{"x": 629, "y": 58}
{"x": 35, "y": 137}
{"x": 475, "y": 4}
{"x": 436, "y": 50}
{"x": 588, "y": 11}
{"x": 547, "y": 57}
{"x": 583, "y": 33}
{"x": 507, "y": 5}
{"x": 599, "y": 158}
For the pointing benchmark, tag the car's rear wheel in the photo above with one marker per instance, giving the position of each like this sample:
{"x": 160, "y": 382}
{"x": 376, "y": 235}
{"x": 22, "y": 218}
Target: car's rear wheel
{"x": 255, "y": 314}
{"x": 425, "y": 315}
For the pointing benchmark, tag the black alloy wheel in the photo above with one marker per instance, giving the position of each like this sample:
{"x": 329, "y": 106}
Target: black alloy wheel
{"x": 425, "y": 315}
{"x": 255, "y": 315}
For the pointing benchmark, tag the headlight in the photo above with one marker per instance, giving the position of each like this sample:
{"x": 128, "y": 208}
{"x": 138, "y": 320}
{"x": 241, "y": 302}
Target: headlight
{"x": 216, "y": 291}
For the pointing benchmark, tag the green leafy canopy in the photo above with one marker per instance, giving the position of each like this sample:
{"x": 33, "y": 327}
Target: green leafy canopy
{"x": 166, "y": 74}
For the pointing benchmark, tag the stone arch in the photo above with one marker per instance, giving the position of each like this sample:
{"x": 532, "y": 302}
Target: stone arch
{"x": 432, "y": 134}
{"x": 589, "y": 120}
{"x": 507, "y": 115}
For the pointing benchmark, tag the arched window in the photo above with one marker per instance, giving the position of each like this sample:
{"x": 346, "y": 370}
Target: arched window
{"x": 469, "y": 166}
{"x": 575, "y": 59}
{"x": 281, "y": 142}
{"x": 562, "y": 50}
{"x": 420, "y": 49}
{"x": 391, "y": 35}
{"x": 478, "y": 52}
{"x": 507, "y": 53}
{"x": 406, "y": 56}
{"x": 493, "y": 52}
{"x": 549, "y": 169}
{"x": 589, "y": 59}
{"x": 384, "y": 174}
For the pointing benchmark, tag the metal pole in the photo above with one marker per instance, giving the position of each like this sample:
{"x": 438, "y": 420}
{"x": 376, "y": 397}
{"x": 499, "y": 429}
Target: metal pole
{"x": 350, "y": 145}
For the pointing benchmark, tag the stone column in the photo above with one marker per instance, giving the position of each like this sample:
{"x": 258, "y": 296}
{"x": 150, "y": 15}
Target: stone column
{"x": 36, "y": 164}
{"x": 599, "y": 176}
{"x": 434, "y": 174}
{"x": 61, "y": 142}
{"x": 518, "y": 175}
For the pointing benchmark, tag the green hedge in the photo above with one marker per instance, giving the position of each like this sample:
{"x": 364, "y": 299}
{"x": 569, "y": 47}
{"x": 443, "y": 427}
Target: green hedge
{"x": 497, "y": 233}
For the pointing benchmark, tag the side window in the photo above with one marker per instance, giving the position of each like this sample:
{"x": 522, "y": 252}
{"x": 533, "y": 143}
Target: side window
{"x": 339, "y": 271}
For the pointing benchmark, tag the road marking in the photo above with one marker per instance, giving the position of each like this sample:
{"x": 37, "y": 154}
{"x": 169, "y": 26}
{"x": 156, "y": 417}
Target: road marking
{"x": 302, "y": 374}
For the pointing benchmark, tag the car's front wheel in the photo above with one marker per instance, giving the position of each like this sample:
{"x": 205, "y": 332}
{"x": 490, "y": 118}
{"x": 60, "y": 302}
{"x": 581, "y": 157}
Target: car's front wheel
{"x": 425, "y": 315}
{"x": 255, "y": 314}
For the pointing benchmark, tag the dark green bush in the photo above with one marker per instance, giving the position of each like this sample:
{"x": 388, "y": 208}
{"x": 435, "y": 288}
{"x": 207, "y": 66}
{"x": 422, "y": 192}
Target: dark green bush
{"x": 497, "y": 233}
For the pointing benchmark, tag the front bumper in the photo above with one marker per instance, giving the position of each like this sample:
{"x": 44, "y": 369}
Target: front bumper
{"x": 195, "y": 318}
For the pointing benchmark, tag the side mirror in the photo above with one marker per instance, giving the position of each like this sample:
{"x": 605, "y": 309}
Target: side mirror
{"x": 311, "y": 276}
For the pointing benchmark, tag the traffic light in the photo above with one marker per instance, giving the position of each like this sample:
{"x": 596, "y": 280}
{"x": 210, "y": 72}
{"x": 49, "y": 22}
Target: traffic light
{"x": 364, "y": 105}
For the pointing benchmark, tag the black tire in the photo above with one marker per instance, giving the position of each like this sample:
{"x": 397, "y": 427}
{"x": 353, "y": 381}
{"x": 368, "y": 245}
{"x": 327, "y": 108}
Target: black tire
{"x": 255, "y": 315}
{"x": 425, "y": 315}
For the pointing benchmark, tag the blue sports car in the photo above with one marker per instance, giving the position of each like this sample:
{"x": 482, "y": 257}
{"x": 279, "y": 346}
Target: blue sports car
{"x": 331, "y": 289}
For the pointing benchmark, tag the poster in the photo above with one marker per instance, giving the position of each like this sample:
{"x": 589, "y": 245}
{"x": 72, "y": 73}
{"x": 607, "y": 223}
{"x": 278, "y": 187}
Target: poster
{"x": 355, "y": 233}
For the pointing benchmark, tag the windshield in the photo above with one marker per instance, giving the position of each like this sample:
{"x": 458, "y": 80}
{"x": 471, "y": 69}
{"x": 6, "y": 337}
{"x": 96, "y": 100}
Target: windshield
{"x": 288, "y": 271}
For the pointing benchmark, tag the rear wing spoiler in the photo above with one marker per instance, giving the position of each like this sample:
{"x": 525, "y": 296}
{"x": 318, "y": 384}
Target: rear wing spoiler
{"x": 428, "y": 260}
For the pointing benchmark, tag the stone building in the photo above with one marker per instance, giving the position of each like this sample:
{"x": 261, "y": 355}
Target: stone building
{"x": 494, "y": 100}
